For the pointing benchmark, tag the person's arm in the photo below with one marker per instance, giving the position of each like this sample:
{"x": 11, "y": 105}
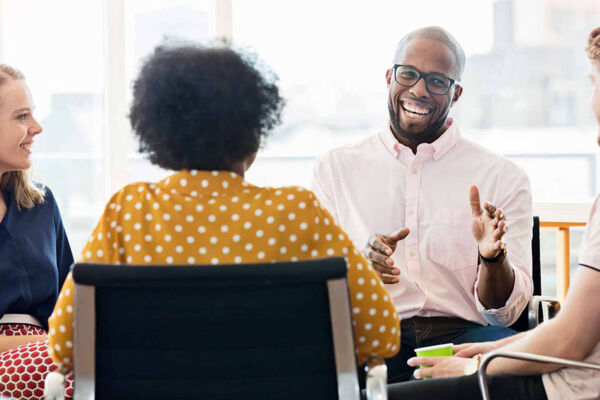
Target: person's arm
{"x": 468, "y": 350}
{"x": 10, "y": 342}
{"x": 60, "y": 335}
{"x": 322, "y": 184}
{"x": 573, "y": 334}
{"x": 376, "y": 323}
{"x": 502, "y": 289}
{"x": 496, "y": 278}
{"x": 64, "y": 256}
{"x": 99, "y": 248}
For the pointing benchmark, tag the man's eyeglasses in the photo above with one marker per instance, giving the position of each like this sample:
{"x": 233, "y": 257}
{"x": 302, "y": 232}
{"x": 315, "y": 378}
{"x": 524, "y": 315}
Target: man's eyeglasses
{"x": 409, "y": 76}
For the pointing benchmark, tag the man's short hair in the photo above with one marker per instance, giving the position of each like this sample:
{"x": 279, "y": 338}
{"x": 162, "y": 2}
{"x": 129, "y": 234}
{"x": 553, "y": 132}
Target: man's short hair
{"x": 440, "y": 35}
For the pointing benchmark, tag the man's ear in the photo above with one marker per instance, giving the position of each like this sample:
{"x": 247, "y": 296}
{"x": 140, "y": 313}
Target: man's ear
{"x": 457, "y": 93}
{"x": 388, "y": 77}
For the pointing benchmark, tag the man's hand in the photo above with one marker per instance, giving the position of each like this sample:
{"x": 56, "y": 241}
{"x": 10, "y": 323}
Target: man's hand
{"x": 468, "y": 350}
{"x": 442, "y": 367}
{"x": 379, "y": 251}
{"x": 489, "y": 225}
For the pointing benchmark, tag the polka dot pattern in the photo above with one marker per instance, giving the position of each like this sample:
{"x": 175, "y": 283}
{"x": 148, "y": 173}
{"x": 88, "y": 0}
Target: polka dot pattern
{"x": 218, "y": 218}
{"x": 23, "y": 369}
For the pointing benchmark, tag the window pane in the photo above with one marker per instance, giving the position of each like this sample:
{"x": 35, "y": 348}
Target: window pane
{"x": 332, "y": 67}
{"x": 525, "y": 87}
{"x": 148, "y": 24}
{"x": 525, "y": 95}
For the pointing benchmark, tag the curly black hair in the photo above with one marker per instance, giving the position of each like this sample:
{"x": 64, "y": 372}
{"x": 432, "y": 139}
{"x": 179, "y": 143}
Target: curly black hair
{"x": 203, "y": 107}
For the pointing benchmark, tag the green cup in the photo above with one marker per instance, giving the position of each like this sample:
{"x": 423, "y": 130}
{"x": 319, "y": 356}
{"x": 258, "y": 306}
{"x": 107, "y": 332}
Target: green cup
{"x": 440, "y": 350}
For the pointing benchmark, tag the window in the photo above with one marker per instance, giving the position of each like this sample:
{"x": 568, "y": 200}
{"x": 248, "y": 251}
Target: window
{"x": 526, "y": 92}
{"x": 65, "y": 74}
{"x": 148, "y": 24}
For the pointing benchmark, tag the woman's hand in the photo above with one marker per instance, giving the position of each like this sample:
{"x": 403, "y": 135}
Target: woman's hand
{"x": 468, "y": 350}
{"x": 443, "y": 367}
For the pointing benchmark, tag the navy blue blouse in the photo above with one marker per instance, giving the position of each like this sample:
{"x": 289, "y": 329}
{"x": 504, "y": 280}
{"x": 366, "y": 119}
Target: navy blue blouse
{"x": 35, "y": 258}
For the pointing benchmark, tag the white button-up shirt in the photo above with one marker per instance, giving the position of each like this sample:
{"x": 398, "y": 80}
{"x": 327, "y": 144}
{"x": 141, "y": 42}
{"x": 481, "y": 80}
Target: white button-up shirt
{"x": 380, "y": 186}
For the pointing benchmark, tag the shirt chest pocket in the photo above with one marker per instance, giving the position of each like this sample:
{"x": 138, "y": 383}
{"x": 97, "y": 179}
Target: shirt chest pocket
{"x": 449, "y": 240}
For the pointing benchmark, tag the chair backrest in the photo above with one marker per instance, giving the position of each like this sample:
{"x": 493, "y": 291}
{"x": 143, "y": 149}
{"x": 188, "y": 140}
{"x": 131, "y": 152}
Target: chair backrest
{"x": 268, "y": 331}
{"x": 536, "y": 267}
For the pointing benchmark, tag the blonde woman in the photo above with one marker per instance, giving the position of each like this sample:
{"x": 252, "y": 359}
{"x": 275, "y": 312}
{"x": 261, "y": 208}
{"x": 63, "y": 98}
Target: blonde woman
{"x": 34, "y": 251}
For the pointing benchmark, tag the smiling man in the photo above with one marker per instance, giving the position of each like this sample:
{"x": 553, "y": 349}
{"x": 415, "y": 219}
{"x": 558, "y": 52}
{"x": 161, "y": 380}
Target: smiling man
{"x": 458, "y": 271}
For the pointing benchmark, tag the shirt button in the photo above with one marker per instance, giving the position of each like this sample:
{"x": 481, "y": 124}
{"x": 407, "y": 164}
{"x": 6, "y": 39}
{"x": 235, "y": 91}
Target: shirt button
{"x": 415, "y": 171}
{"x": 411, "y": 212}
{"x": 412, "y": 253}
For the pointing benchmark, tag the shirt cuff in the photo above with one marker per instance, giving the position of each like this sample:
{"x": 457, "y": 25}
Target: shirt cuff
{"x": 515, "y": 304}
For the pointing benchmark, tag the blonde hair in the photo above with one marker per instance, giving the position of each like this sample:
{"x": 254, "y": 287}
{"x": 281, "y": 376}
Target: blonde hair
{"x": 593, "y": 47}
{"x": 25, "y": 193}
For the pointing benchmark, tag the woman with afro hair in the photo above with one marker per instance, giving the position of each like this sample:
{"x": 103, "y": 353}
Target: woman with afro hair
{"x": 204, "y": 112}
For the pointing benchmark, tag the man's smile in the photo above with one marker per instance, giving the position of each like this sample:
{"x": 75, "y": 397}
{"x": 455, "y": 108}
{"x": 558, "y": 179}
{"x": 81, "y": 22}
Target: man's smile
{"x": 414, "y": 110}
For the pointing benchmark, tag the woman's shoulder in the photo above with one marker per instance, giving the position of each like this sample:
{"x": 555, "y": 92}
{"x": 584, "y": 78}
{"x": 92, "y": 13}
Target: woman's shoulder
{"x": 46, "y": 208}
{"x": 302, "y": 197}
{"x": 130, "y": 190}
{"x": 48, "y": 196}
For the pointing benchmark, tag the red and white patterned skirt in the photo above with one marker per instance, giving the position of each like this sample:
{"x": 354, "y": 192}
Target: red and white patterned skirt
{"x": 24, "y": 368}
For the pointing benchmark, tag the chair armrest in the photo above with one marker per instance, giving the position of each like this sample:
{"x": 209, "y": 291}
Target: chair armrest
{"x": 542, "y": 308}
{"x": 482, "y": 377}
{"x": 376, "y": 379}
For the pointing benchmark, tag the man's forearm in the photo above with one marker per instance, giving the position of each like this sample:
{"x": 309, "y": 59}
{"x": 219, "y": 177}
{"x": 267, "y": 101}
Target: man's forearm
{"x": 496, "y": 283}
{"x": 547, "y": 340}
{"x": 513, "y": 338}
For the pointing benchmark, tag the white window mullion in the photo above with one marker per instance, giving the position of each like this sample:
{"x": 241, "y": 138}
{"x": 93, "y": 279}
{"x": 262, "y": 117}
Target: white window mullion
{"x": 222, "y": 25}
{"x": 116, "y": 125}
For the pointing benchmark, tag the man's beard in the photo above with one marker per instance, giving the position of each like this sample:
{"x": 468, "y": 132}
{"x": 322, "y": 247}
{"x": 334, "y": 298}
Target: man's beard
{"x": 427, "y": 136}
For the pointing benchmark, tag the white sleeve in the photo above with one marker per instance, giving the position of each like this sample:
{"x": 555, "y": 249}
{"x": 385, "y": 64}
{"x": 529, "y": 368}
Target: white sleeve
{"x": 518, "y": 208}
{"x": 322, "y": 184}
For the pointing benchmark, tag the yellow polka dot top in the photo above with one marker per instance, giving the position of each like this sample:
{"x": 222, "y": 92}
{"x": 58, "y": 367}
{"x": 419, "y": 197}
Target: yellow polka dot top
{"x": 215, "y": 217}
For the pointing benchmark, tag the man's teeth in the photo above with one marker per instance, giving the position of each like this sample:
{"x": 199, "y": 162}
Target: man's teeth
{"x": 415, "y": 109}
{"x": 26, "y": 146}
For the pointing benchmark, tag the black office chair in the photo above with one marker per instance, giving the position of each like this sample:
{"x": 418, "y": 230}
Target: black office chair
{"x": 540, "y": 307}
{"x": 259, "y": 331}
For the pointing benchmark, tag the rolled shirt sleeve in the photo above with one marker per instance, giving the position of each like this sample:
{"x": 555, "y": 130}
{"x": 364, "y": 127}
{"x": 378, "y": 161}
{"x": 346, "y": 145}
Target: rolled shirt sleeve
{"x": 517, "y": 205}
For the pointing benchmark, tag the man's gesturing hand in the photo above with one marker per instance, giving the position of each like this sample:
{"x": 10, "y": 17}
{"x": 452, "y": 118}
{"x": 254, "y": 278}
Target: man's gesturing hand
{"x": 489, "y": 225}
{"x": 379, "y": 251}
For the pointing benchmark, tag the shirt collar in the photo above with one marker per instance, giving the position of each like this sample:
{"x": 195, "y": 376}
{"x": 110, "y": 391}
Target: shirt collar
{"x": 440, "y": 147}
{"x": 196, "y": 182}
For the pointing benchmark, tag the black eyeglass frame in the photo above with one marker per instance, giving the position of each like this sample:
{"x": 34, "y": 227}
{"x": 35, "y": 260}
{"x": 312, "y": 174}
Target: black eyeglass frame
{"x": 424, "y": 75}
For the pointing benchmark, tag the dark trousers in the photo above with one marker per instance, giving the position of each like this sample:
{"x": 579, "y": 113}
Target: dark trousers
{"x": 467, "y": 388}
{"x": 429, "y": 331}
